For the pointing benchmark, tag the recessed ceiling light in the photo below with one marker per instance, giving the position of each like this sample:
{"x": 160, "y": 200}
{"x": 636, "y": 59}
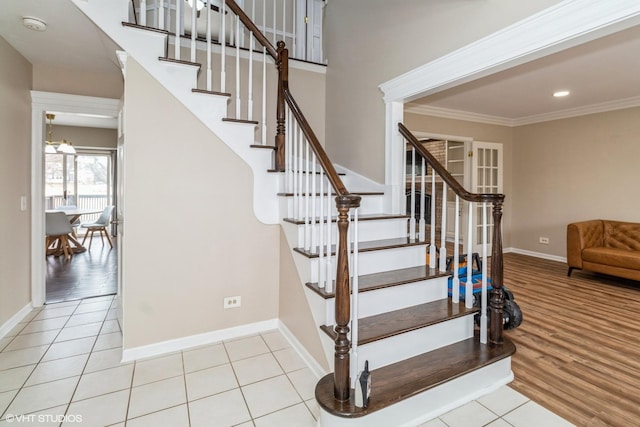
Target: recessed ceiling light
{"x": 33, "y": 23}
{"x": 561, "y": 93}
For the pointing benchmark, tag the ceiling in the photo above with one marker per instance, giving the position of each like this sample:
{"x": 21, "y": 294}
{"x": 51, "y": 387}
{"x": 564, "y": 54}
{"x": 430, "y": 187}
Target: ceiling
{"x": 602, "y": 74}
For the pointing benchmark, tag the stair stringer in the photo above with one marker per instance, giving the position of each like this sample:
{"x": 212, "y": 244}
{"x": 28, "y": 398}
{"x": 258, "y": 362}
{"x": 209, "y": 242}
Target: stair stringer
{"x": 146, "y": 47}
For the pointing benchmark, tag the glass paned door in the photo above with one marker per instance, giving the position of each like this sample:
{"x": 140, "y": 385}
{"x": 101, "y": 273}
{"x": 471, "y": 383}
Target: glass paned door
{"x": 84, "y": 180}
{"x": 60, "y": 184}
{"x": 487, "y": 178}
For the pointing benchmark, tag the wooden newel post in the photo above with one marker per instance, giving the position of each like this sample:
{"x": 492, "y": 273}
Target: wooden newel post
{"x": 283, "y": 82}
{"x": 496, "y": 298}
{"x": 342, "y": 384}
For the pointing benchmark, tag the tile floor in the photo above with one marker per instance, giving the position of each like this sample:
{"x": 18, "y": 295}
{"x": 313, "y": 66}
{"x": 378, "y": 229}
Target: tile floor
{"x": 61, "y": 367}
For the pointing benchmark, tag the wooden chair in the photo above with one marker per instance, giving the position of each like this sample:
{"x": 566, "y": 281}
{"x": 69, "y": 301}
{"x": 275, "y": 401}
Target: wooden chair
{"x": 100, "y": 225}
{"x": 57, "y": 230}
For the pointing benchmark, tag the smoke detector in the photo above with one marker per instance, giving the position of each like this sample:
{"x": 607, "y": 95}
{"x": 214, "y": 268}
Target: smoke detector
{"x": 35, "y": 24}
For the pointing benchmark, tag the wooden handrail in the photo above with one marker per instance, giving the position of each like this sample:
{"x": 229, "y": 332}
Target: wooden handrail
{"x": 264, "y": 41}
{"x": 496, "y": 300}
{"x": 444, "y": 173}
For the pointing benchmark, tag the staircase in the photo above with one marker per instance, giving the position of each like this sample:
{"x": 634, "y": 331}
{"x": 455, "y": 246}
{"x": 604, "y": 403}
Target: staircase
{"x": 365, "y": 275}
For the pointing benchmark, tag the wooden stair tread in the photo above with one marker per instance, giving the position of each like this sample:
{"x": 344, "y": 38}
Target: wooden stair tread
{"x": 180, "y": 61}
{"x": 365, "y": 217}
{"x": 268, "y": 147}
{"x": 317, "y": 172}
{"x": 211, "y": 92}
{"x": 386, "y": 279}
{"x": 402, "y": 380}
{"x": 359, "y": 193}
{"x": 251, "y": 122}
{"x": 143, "y": 27}
{"x": 408, "y": 319}
{"x": 372, "y": 245}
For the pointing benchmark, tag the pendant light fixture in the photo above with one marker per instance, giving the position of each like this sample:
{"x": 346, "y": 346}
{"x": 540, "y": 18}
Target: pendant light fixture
{"x": 64, "y": 147}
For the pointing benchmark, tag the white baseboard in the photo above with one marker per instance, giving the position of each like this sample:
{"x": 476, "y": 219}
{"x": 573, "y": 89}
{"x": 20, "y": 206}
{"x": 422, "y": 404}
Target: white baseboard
{"x": 191, "y": 341}
{"x": 535, "y": 254}
{"x": 15, "y": 319}
{"x": 311, "y": 362}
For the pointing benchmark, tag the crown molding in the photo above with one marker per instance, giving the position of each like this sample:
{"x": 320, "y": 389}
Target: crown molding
{"x": 428, "y": 110}
{"x": 564, "y": 25}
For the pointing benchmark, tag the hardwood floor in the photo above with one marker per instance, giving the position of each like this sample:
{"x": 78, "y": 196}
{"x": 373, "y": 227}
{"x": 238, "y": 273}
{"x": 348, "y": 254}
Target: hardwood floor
{"x": 578, "y": 348}
{"x": 88, "y": 274}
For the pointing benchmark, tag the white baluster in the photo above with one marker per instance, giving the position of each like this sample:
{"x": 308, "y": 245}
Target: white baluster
{"x": 288, "y": 154}
{"x": 284, "y": 21}
{"x": 321, "y": 258}
{"x": 329, "y": 273}
{"x": 307, "y": 202}
{"x": 264, "y": 80}
{"x": 300, "y": 168}
{"x": 251, "y": 48}
{"x": 296, "y": 171}
{"x": 483, "y": 301}
{"x": 314, "y": 227}
{"x": 223, "y": 47}
{"x": 422, "y": 225}
{"x": 468, "y": 290}
{"x": 455, "y": 285}
{"x": 275, "y": 2}
{"x": 355, "y": 302}
{"x": 412, "y": 219}
{"x": 432, "y": 238}
{"x": 295, "y": 52}
{"x": 443, "y": 229}
{"x": 237, "y": 40}
{"x": 178, "y": 41}
{"x": 194, "y": 27}
{"x": 161, "y": 15}
{"x": 143, "y": 12}
{"x": 209, "y": 69}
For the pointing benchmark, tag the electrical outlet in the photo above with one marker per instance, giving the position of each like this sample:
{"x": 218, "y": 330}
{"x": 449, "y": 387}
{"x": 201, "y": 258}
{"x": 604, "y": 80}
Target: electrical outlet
{"x": 544, "y": 240}
{"x": 232, "y": 302}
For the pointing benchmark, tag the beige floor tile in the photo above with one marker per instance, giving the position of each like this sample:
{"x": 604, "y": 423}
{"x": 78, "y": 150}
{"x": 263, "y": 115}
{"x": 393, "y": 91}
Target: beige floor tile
{"x": 87, "y": 306}
{"x": 275, "y": 340}
{"x": 221, "y": 410}
{"x": 109, "y": 327}
{"x": 51, "y": 312}
{"x": 499, "y": 423}
{"x": 108, "y": 341}
{"x": 533, "y": 415}
{"x": 5, "y": 399}
{"x": 105, "y": 381}
{"x": 76, "y": 332}
{"x": 246, "y": 347}
{"x": 204, "y": 357}
{"x": 43, "y": 396}
{"x": 158, "y": 368}
{"x": 45, "y": 325}
{"x": 436, "y": 422}
{"x": 157, "y": 396}
{"x": 289, "y": 359}
{"x": 58, "y": 369}
{"x": 100, "y": 410}
{"x": 86, "y": 318}
{"x": 313, "y": 407}
{"x": 50, "y": 417}
{"x": 270, "y": 395}
{"x": 257, "y": 368}
{"x": 5, "y": 342}
{"x": 293, "y": 416}
{"x": 177, "y": 416}
{"x": 304, "y": 382}
{"x": 105, "y": 359}
{"x": 503, "y": 400}
{"x": 23, "y": 357}
{"x": 210, "y": 381}
{"x": 32, "y": 340}
{"x": 13, "y": 379}
{"x": 69, "y": 348}
{"x": 16, "y": 329}
{"x": 472, "y": 414}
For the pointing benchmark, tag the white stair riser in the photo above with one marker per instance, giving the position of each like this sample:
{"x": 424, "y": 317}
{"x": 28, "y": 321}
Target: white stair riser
{"x": 367, "y": 231}
{"x": 432, "y": 403}
{"x": 378, "y": 261}
{"x": 184, "y": 76}
{"x": 403, "y": 346}
{"x": 393, "y": 298}
{"x": 368, "y": 205}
